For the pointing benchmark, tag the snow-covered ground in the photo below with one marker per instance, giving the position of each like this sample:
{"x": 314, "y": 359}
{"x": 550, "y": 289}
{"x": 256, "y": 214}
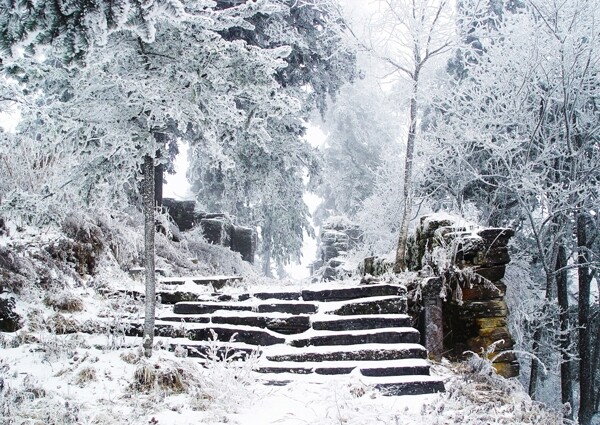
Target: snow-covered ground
{"x": 72, "y": 379}
{"x": 72, "y": 364}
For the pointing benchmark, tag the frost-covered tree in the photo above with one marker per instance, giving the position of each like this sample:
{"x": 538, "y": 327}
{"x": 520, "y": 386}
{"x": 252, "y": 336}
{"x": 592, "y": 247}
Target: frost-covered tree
{"x": 411, "y": 36}
{"x": 263, "y": 185}
{"x": 109, "y": 118}
{"x": 73, "y": 27}
{"x": 519, "y": 138}
{"x": 362, "y": 128}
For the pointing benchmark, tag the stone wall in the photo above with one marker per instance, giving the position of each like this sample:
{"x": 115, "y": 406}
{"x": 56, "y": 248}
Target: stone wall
{"x": 217, "y": 228}
{"x": 458, "y": 288}
{"x": 338, "y": 236}
{"x": 471, "y": 264}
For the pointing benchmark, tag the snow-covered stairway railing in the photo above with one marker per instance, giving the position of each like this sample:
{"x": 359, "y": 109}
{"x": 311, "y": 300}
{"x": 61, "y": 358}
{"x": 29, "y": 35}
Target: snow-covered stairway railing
{"x": 336, "y": 329}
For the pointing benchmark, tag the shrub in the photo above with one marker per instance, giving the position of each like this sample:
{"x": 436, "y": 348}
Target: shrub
{"x": 85, "y": 375}
{"x": 64, "y": 301}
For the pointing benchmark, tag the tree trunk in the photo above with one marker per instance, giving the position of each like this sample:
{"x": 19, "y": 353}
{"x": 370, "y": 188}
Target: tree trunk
{"x": 535, "y": 366}
{"x": 566, "y": 381}
{"x": 537, "y": 337}
{"x": 400, "y": 263}
{"x": 149, "y": 230}
{"x": 586, "y": 378}
{"x": 159, "y": 172}
{"x": 266, "y": 248}
{"x": 595, "y": 366}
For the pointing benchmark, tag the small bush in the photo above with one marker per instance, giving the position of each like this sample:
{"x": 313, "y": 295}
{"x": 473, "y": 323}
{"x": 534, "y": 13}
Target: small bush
{"x": 35, "y": 320}
{"x": 85, "y": 375}
{"x": 64, "y": 301}
{"x": 171, "y": 379}
{"x": 144, "y": 377}
{"x": 61, "y": 325}
{"x": 167, "y": 377}
{"x": 57, "y": 347}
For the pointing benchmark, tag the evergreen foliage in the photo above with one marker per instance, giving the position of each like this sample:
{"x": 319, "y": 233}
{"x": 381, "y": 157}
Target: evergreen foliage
{"x": 73, "y": 27}
{"x": 260, "y": 176}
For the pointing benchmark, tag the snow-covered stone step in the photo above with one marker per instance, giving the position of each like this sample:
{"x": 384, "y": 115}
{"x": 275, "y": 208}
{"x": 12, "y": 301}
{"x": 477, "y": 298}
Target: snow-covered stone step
{"x": 278, "y": 322}
{"x": 405, "y": 385}
{"x": 290, "y": 307}
{"x": 175, "y": 296}
{"x": 367, "y": 336}
{"x": 207, "y": 307}
{"x": 367, "y": 368}
{"x": 217, "y": 282}
{"x": 372, "y": 321}
{"x": 285, "y": 296}
{"x": 348, "y": 352}
{"x": 187, "y": 318}
{"x": 353, "y": 292}
{"x": 216, "y": 350}
{"x": 244, "y": 334}
{"x": 282, "y": 323}
{"x": 389, "y": 386}
{"x": 367, "y": 306}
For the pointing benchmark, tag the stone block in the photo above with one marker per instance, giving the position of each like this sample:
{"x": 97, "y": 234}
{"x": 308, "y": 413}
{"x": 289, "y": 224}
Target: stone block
{"x": 480, "y": 309}
{"x": 10, "y": 320}
{"x": 396, "y": 336}
{"x": 482, "y": 292}
{"x": 328, "y": 252}
{"x": 226, "y": 334}
{"x": 243, "y": 240}
{"x": 495, "y": 237}
{"x": 489, "y": 336}
{"x": 491, "y": 257}
{"x": 217, "y": 231}
{"x": 493, "y": 273}
{"x": 391, "y": 305}
{"x": 182, "y": 212}
{"x": 348, "y": 354}
{"x": 353, "y": 292}
{"x": 358, "y": 323}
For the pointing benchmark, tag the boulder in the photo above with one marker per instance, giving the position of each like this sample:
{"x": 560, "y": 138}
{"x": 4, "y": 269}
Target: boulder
{"x": 10, "y": 320}
{"x": 182, "y": 212}
{"x": 243, "y": 240}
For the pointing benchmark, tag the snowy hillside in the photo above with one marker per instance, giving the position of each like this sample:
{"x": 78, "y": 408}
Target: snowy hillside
{"x": 71, "y": 363}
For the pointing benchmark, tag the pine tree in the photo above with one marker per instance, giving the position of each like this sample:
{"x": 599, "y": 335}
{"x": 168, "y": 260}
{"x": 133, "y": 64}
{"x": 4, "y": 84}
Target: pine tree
{"x": 107, "y": 120}
{"x": 263, "y": 185}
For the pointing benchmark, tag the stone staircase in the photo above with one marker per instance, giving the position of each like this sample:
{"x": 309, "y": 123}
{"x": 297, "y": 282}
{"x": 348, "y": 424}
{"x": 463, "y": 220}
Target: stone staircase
{"x": 361, "y": 329}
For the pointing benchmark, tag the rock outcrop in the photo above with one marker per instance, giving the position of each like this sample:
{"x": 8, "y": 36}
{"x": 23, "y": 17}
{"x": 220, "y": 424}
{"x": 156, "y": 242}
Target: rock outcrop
{"x": 338, "y": 236}
{"x": 457, "y": 300}
{"x": 217, "y": 228}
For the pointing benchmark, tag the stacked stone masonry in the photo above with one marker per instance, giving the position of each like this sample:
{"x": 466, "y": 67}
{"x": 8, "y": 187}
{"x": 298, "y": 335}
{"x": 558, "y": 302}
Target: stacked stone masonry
{"x": 464, "y": 302}
{"x": 332, "y": 330}
{"x": 217, "y": 228}
{"x": 336, "y": 239}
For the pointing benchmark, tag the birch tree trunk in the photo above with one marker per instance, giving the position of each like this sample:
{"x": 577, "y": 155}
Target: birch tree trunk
{"x": 400, "y": 263}
{"x": 566, "y": 380}
{"x": 149, "y": 230}
{"x": 586, "y": 377}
